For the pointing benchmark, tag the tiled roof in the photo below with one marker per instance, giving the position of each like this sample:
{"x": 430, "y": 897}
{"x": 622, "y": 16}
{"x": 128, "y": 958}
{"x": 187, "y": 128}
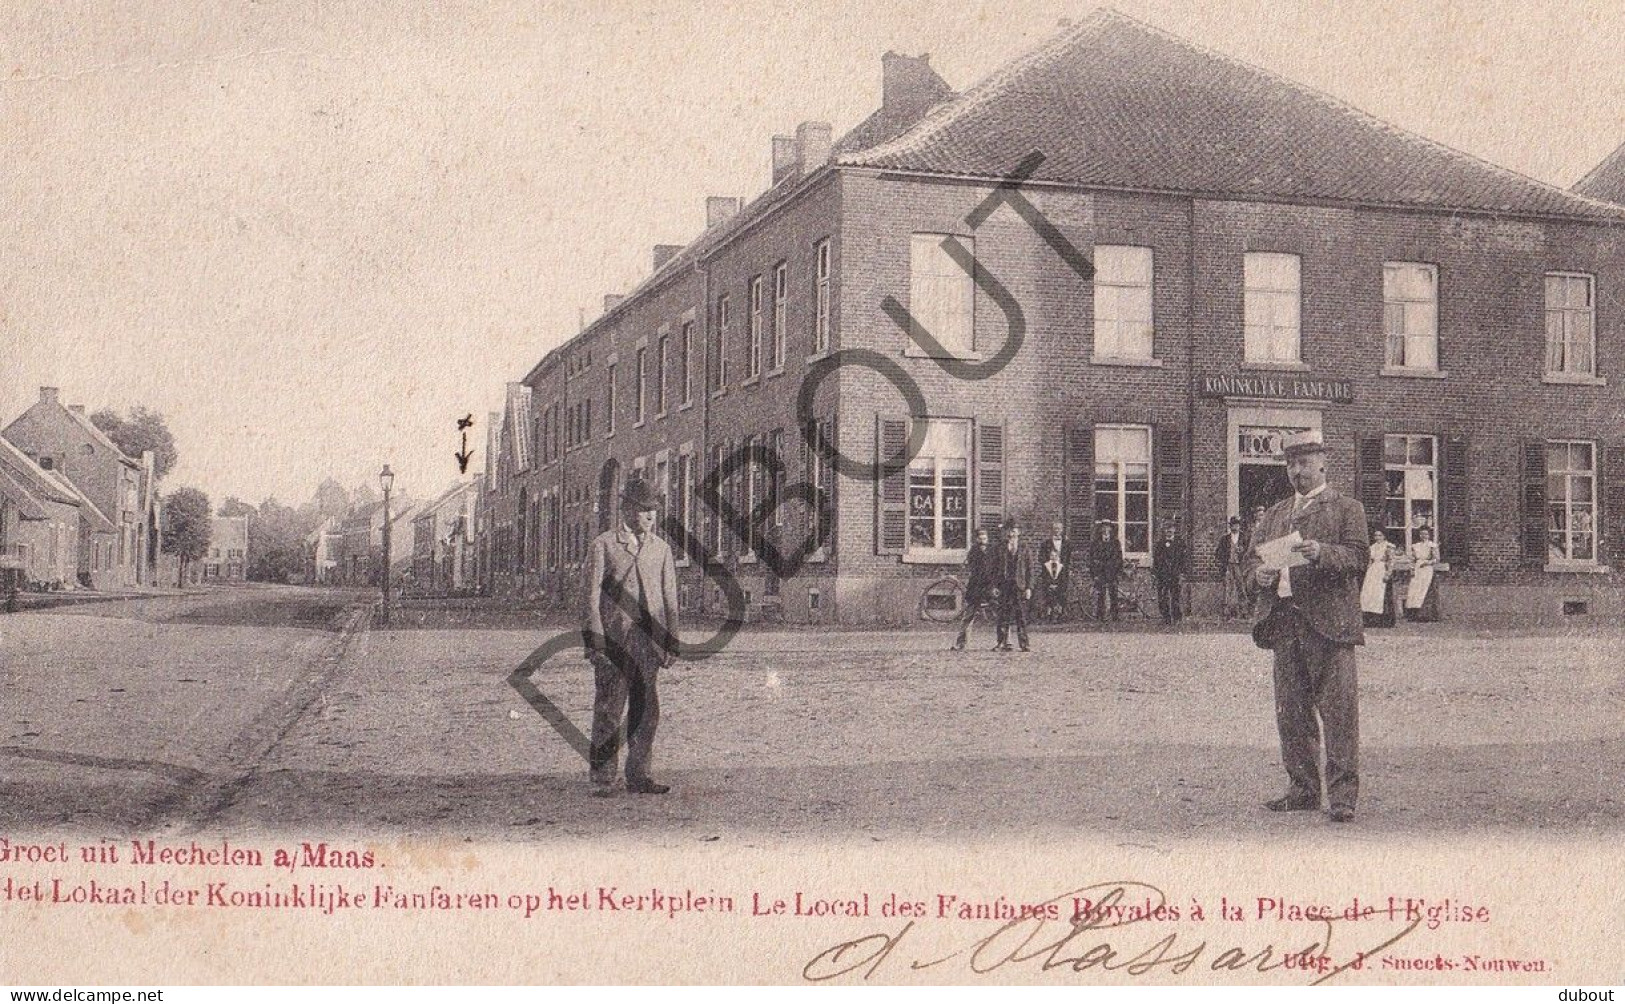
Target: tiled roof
{"x": 27, "y": 503}
{"x": 88, "y": 510}
{"x": 1119, "y": 104}
{"x": 32, "y": 476}
{"x": 1606, "y": 180}
{"x": 101, "y": 437}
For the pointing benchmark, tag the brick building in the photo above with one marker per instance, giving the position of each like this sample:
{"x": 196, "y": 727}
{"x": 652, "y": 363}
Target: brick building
{"x": 227, "y": 560}
{"x": 1251, "y": 258}
{"x": 123, "y": 489}
{"x": 443, "y": 543}
{"x": 51, "y": 536}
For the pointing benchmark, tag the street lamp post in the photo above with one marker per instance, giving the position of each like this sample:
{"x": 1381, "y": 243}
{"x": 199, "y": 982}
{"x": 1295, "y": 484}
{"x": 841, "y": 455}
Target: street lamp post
{"x": 386, "y": 478}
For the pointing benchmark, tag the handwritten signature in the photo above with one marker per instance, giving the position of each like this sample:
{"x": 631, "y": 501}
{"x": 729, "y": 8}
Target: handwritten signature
{"x": 1077, "y": 943}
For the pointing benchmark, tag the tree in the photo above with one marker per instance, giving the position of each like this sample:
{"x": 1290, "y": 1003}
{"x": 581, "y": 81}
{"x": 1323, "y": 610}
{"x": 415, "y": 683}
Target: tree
{"x": 331, "y": 500}
{"x": 143, "y": 430}
{"x": 276, "y": 542}
{"x": 187, "y": 523}
{"x": 234, "y": 506}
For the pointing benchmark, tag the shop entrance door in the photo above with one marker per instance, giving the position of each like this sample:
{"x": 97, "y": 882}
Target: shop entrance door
{"x": 1262, "y": 485}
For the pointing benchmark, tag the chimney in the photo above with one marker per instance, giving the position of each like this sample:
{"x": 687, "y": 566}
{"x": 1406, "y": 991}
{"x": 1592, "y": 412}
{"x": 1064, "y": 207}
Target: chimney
{"x": 77, "y": 409}
{"x": 908, "y": 85}
{"x": 48, "y": 395}
{"x": 665, "y": 253}
{"x": 611, "y": 300}
{"x": 785, "y": 157}
{"x": 720, "y": 209}
{"x": 813, "y": 143}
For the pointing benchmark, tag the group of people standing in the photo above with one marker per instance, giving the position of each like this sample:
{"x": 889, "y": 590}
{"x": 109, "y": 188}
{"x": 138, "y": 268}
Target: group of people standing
{"x": 1388, "y": 560}
{"x": 1007, "y": 582}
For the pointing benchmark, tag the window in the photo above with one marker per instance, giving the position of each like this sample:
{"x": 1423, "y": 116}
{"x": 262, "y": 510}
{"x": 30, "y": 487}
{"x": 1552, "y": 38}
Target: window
{"x": 821, "y": 517}
{"x": 821, "y": 298}
{"x": 682, "y": 499}
{"x": 586, "y": 420}
{"x": 1123, "y": 484}
{"x": 752, "y": 473}
{"x": 1570, "y": 324}
{"x": 781, "y": 291}
{"x": 1410, "y": 314}
{"x": 1122, "y": 302}
{"x": 46, "y": 463}
{"x": 685, "y": 356}
{"x": 942, "y": 295}
{"x": 774, "y": 478}
{"x": 1571, "y": 501}
{"x": 719, "y": 371}
{"x": 1411, "y": 489}
{"x": 939, "y": 489}
{"x": 753, "y": 350}
{"x": 609, "y": 401}
{"x": 1270, "y": 307}
{"x": 660, "y": 375}
{"x": 716, "y": 535}
{"x": 638, "y": 374}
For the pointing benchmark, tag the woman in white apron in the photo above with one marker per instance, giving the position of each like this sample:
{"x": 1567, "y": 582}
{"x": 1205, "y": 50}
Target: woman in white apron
{"x": 1376, "y": 599}
{"x": 1422, "y": 596}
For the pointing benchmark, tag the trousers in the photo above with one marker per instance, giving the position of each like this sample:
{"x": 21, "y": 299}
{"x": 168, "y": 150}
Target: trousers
{"x": 625, "y": 679}
{"x": 1011, "y": 610}
{"x": 1316, "y": 676}
{"x": 1168, "y": 595}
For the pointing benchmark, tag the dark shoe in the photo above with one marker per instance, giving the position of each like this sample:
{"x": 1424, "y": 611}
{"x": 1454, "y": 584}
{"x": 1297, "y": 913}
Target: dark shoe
{"x": 1025, "y": 649}
{"x": 957, "y": 646}
{"x": 1292, "y": 803}
{"x": 647, "y": 787}
{"x": 1340, "y": 814}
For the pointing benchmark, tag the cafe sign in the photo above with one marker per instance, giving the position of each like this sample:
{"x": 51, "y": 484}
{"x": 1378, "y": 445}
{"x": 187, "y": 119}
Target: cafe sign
{"x": 1286, "y": 388}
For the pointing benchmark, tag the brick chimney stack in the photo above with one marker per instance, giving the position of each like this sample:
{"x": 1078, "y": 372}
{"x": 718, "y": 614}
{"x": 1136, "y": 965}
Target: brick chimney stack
{"x": 785, "y": 157}
{"x": 813, "y": 143}
{"x": 49, "y": 395}
{"x": 908, "y": 85}
{"x": 611, "y": 300}
{"x": 720, "y": 209}
{"x": 664, "y": 253}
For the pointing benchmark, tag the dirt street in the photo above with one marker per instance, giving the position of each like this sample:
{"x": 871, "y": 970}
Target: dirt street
{"x": 263, "y": 715}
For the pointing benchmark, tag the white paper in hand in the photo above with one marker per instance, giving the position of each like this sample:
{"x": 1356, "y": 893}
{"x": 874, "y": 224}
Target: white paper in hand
{"x": 1279, "y": 553}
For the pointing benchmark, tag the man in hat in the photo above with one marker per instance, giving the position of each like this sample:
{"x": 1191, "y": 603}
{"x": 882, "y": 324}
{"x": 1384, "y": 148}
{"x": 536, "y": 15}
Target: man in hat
{"x": 630, "y": 634}
{"x": 1013, "y": 579}
{"x": 1105, "y": 567}
{"x": 1231, "y": 556}
{"x": 978, "y": 586}
{"x": 1309, "y": 615}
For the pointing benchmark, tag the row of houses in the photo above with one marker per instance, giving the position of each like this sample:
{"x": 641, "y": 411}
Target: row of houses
{"x": 1196, "y": 259}
{"x": 431, "y": 544}
{"x": 75, "y": 511}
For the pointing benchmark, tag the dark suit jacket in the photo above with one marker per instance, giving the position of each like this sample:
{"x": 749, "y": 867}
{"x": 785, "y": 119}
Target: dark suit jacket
{"x": 1105, "y": 559}
{"x": 1328, "y": 591}
{"x": 1169, "y": 559}
{"x": 1221, "y": 552}
{"x": 978, "y": 574}
{"x": 1046, "y": 547}
{"x": 1011, "y": 570}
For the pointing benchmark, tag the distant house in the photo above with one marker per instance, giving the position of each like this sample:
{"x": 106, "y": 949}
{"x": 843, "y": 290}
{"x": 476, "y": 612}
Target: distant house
{"x": 322, "y": 551}
{"x": 227, "y": 560}
{"x": 443, "y": 542}
{"x": 63, "y": 440}
{"x": 361, "y": 542}
{"x": 51, "y": 536}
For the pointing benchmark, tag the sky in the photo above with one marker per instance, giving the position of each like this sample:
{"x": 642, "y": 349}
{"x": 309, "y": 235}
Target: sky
{"x": 315, "y": 234}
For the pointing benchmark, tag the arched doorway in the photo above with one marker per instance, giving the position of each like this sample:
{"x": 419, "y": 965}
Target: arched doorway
{"x": 609, "y": 477}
